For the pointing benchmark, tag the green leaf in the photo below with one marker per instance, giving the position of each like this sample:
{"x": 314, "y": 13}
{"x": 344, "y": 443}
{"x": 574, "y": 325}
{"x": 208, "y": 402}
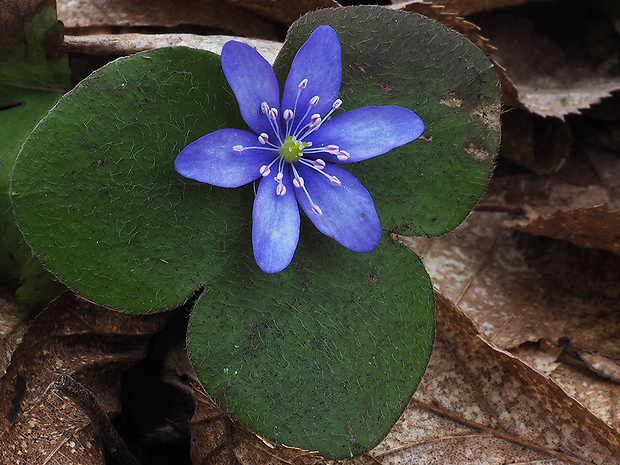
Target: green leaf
{"x": 33, "y": 71}
{"x": 429, "y": 186}
{"x": 322, "y": 356}
{"x": 96, "y": 193}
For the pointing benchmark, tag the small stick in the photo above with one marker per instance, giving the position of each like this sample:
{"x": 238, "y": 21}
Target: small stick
{"x": 499, "y": 208}
{"x": 87, "y": 401}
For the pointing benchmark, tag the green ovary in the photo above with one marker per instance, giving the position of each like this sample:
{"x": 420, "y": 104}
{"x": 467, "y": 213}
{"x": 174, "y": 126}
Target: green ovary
{"x": 292, "y": 149}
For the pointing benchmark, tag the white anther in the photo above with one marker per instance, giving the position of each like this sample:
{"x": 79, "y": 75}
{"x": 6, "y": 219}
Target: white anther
{"x": 263, "y": 138}
{"x": 264, "y": 108}
{"x": 281, "y": 189}
{"x": 318, "y": 163}
{"x": 303, "y": 84}
{"x": 264, "y": 171}
{"x": 315, "y": 119}
{"x": 288, "y": 115}
{"x": 316, "y": 209}
{"x": 278, "y": 177}
{"x": 333, "y": 149}
{"x": 314, "y": 101}
{"x": 336, "y": 104}
{"x": 238, "y": 148}
{"x": 334, "y": 180}
{"x": 342, "y": 155}
{"x": 273, "y": 114}
{"x": 298, "y": 181}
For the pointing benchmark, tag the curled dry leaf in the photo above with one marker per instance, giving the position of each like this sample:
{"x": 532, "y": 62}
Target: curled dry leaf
{"x": 521, "y": 290}
{"x": 88, "y": 342}
{"x": 477, "y": 404}
{"x": 553, "y": 76}
{"x": 97, "y": 14}
{"x": 126, "y": 44}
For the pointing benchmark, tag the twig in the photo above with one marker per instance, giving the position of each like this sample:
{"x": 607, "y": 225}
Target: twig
{"x": 87, "y": 401}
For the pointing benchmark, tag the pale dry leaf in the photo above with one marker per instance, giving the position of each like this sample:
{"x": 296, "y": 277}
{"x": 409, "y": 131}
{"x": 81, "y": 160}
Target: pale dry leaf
{"x": 71, "y": 336}
{"x": 477, "y": 404}
{"x": 519, "y": 288}
{"x": 126, "y": 44}
{"x": 552, "y": 78}
{"x": 85, "y": 15}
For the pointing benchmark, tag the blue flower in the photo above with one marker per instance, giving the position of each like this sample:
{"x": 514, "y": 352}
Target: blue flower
{"x": 293, "y": 147}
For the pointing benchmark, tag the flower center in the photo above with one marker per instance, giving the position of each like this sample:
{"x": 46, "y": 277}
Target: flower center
{"x": 292, "y": 149}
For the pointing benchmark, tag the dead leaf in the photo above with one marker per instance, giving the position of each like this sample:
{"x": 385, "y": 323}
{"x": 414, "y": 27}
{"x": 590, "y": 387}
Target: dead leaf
{"x": 540, "y": 144}
{"x": 88, "y": 342}
{"x": 14, "y": 322}
{"x": 92, "y": 15}
{"x": 519, "y": 289}
{"x": 466, "y": 7}
{"x": 553, "y": 76}
{"x": 283, "y": 11}
{"x": 126, "y": 44}
{"x": 477, "y": 404}
{"x": 600, "y": 364}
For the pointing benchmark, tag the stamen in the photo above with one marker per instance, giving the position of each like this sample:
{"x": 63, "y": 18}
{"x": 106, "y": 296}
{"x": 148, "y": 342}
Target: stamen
{"x": 314, "y": 101}
{"x": 336, "y": 104}
{"x": 287, "y": 115}
{"x": 316, "y": 209}
{"x": 264, "y": 108}
{"x": 302, "y": 85}
{"x": 335, "y": 181}
{"x": 315, "y": 119}
{"x": 333, "y": 149}
{"x": 238, "y": 148}
{"x": 280, "y": 189}
{"x": 273, "y": 114}
{"x": 343, "y": 156}
{"x": 298, "y": 181}
{"x": 263, "y": 138}
{"x": 318, "y": 163}
{"x": 279, "y": 177}
{"x": 264, "y": 171}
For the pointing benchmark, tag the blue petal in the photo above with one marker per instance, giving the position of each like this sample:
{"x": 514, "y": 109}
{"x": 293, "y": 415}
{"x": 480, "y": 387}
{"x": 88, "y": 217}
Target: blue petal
{"x": 367, "y": 132}
{"x": 253, "y": 81}
{"x": 275, "y": 225}
{"x": 348, "y": 212}
{"x": 318, "y": 61}
{"x": 211, "y": 158}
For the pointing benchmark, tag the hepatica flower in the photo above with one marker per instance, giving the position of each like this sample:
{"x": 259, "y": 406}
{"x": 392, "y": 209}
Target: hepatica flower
{"x": 293, "y": 147}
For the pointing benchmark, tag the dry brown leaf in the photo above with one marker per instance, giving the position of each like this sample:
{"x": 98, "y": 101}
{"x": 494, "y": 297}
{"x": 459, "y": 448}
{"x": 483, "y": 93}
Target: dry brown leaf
{"x": 95, "y": 14}
{"x": 126, "y": 44}
{"x": 552, "y": 78}
{"x": 466, "y": 7}
{"x": 283, "y": 11}
{"x": 88, "y": 342}
{"x": 580, "y": 204}
{"x": 14, "y": 321}
{"x": 477, "y": 404}
{"x": 540, "y": 144}
{"x": 522, "y": 289}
